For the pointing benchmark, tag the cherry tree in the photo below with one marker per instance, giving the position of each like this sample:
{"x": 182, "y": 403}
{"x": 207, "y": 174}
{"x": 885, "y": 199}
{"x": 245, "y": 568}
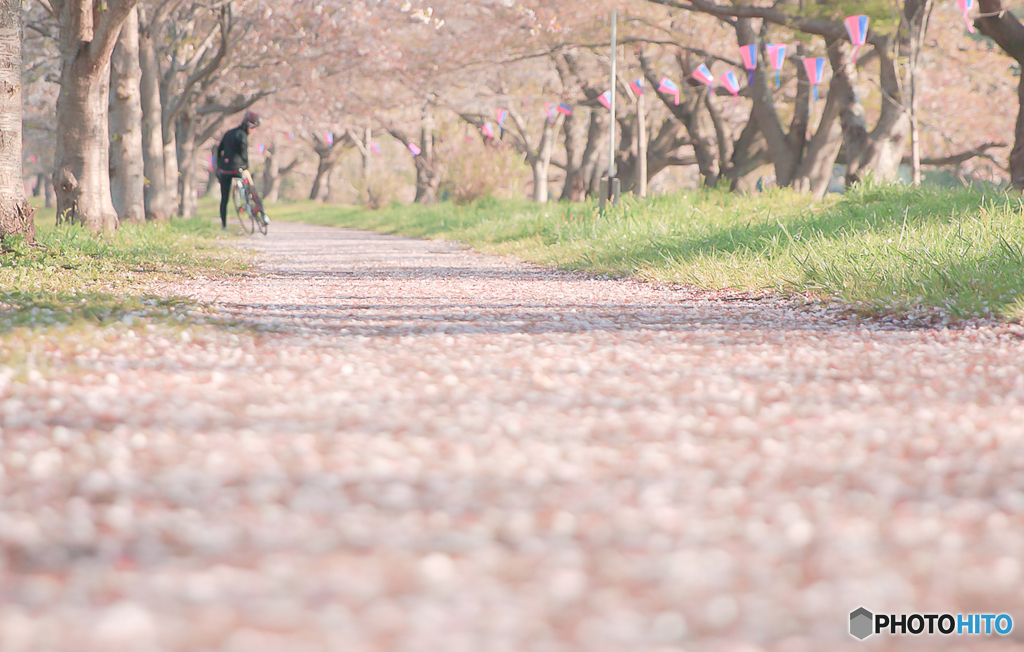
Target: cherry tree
{"x": 1002, "y": 26}
{"x": 15, "y": 213}
{"x": 275, "y": 171}
{"x": 161, "y": 186}
{"x": 87, "y": 32}
{"x": 127, "y": 174}
{"x": 328, "y": 149}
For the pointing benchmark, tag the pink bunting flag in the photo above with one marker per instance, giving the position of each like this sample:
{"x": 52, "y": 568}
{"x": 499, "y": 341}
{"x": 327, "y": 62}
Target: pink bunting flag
{"x": 704, "y": 76}
{"x": 749, "y": 55}
{"x": 260, "y": 147}
{"x": 777, "y": 57}
{"x": 32, "y": 158}
{"x": 375, "y": 148}
{"x": 550, "y": 111}
{"x": 414, "y": 149}
{"x": 212, "y": 167}
{"x": 488, "y": 131}
{"x": 965, "y": 7}
{"x": 329, "y": 138}
{"x": 502, "y": 116}
{"x": 729, "y": 82}
{"x": 291, "y": 136}
{"x": 814, "y": 66}
{"x": 857, "y": 28}
{"x": 669, "y": 87}
{"x": 564, "y": 109}
{"x": 606, "y": 100}
{"x": 638, "y": 86}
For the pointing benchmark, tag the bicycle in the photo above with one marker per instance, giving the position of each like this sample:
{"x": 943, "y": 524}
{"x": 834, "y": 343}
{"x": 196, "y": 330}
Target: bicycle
{"x": 248, "y": 205}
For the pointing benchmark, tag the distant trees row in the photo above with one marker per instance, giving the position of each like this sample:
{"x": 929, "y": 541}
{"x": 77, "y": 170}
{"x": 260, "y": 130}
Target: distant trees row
{"x": 145, "y": 87}
{"x": 869, "y": 118}
{"x": 799, "y": 139}
{"x": 140, "y": 86}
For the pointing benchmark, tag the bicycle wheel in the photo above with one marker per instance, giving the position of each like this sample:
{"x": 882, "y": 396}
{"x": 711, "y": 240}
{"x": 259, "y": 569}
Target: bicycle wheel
{"x": 255, "y": 218}
{"x": 242, "y": 209}
{"x": 256, "y": 204}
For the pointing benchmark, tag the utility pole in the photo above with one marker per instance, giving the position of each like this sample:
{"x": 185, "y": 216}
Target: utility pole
{"x": 641, "y": 145}
{"x": 611, "y": 128}
{"x": 611, "y": 191}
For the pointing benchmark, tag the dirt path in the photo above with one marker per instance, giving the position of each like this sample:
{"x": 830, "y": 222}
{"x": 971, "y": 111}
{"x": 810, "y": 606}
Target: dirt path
{"x": 443, "y": 451}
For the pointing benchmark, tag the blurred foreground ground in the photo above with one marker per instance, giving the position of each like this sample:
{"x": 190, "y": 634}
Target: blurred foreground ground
{"x": 440, "y": 451}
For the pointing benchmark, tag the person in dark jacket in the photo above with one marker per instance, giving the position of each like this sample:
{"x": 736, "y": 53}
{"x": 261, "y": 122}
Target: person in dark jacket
{"x": 233, "y": 160}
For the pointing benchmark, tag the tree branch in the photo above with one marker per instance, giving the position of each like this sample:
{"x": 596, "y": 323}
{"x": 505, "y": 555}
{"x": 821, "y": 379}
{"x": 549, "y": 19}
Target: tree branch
{"x": 826, "y": 28}
{"x": 1003, "y": 27}
{"x": 356, "y": 141}
{"x": 107, "y": 28}
{"x": 199, "y": 75}
{"x": 240, "y": 104}
{"x": 48, "y": 7}
{"x": 959, "y": 157}
{"x": 520, "y": 124}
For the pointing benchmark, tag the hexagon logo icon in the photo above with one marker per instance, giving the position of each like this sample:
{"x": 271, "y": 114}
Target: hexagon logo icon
{"x": 861, "y": 623}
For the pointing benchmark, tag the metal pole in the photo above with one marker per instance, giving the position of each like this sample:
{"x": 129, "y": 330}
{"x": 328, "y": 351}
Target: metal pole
{"x": 611, "y": 129}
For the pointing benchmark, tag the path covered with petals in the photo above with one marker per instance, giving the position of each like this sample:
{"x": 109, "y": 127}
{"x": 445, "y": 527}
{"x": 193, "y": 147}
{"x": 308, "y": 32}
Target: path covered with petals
{"x": 409, "y": 446}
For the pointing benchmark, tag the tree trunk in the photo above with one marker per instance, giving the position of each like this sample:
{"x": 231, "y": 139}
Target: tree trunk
{"x": 366, "y": 153}
{"x": 82, "y": 158}
{"x": 819, "y": 160}
{"x": 688, "y": 112}
{"x": 274, "y": 192}
{"x": 126, "y": 159}
{"x": 37, "y": 191}
{"x": 16, "y": 216}
{"x": 592, "y": 167}
{"x": 82, "y": 177}
{"x": 323, "y": 169}
{"x": 703, "y": 147}
{"x": 274, "y": 174}
{"x": 427, "y": 182}
{"x": 723, "y": 135}
{"x": 171, "y": 169}
{"x": 574, "y": 129}
{"x": 428, "y": 177}
{"x": 157, "y": 193}
{"x": 917, "y": 14}
{"x": 50, "y": 192}
{"x": 1017, "y": 153}
{"x": 540, "y": 180}
{"x": 879, "y": 151}
{"x": 542, "y": 162}
{"x": 779, "y": 146}
{"x": 749, "y": 154}
{"x": 1006, "y": 30}
{"x": 641, "y": 146}
{"x": 211, "y": 170}
{"x": 333, "y": 195}
{"x": 663, "y": 149}
{"x": 185, "y": 135}
{"x": 625, "y": 157}
{"x": 271, "y": 170}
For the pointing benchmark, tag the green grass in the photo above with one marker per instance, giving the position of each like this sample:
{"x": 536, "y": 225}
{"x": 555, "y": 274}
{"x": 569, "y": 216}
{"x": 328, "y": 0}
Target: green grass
{"x": 69, "y": 275}
{"x": 879, "y": 249}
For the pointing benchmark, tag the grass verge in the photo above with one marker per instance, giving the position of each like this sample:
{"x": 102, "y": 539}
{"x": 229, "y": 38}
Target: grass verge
{"x": 924, "y": 253}
{"x": 70, "y": 275}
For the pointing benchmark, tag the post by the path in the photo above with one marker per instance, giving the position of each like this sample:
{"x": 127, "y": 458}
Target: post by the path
{"x": 610, "y": 186}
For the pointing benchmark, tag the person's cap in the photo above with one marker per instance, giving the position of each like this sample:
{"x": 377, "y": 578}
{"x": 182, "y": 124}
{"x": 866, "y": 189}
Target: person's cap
{"x": 251, "y": 119}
